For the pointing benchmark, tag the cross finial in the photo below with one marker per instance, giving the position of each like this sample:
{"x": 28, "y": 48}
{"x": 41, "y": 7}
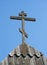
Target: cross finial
{"x": 22, "y": 16}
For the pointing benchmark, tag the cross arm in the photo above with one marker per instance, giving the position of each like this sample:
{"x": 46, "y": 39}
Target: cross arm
{"x": 20, "y": 18}
{"x": 15, "y": 17}
{"x": 30, "y": 19}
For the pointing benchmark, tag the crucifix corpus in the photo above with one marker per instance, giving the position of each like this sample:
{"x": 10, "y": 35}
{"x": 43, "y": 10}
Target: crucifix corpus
{"x": 22, "y": 16}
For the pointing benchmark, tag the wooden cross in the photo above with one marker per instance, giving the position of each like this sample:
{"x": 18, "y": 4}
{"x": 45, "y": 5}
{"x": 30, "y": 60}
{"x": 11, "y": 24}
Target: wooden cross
{"x": 22, "y": 16}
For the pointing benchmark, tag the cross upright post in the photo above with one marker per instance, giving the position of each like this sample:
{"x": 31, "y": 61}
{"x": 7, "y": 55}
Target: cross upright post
{"x": 22, "y": 16}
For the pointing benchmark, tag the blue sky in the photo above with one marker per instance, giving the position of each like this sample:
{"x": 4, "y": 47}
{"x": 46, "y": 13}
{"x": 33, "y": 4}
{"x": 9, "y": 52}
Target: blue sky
{"x": 10, "y": 37}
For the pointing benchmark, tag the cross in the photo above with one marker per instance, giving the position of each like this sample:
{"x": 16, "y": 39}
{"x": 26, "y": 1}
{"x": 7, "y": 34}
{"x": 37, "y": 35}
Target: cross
{"x": 22, "y": 16}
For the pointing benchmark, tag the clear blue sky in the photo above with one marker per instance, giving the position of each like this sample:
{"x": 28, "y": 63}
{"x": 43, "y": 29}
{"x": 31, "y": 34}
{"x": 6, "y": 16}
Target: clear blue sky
{"x": 10, "y": 37}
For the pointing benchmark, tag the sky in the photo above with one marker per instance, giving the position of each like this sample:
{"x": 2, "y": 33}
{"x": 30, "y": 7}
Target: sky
{"x": 10, "y": 37}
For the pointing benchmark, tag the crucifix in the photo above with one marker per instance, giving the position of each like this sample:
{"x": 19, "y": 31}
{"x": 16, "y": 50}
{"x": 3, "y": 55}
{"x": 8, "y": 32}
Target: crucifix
{"x": 22, "y": 16}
